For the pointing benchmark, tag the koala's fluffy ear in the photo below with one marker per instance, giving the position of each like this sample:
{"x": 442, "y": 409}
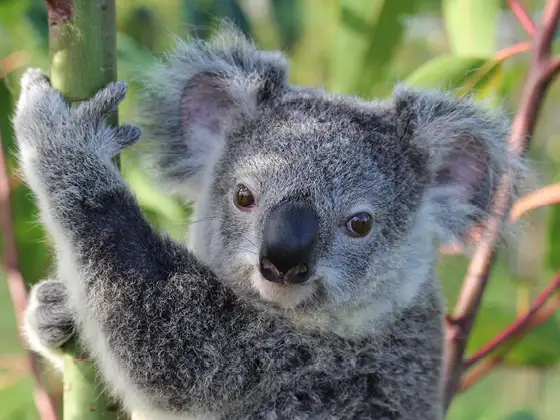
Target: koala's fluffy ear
{"x": 197, "y": 95}
{"x": 466, "y": 151}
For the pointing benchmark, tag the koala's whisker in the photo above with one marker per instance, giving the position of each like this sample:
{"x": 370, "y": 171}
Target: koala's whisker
{"x": 248, "y": 251}
{"x": 250, "y": 241}
{"x": 203, "y": 219}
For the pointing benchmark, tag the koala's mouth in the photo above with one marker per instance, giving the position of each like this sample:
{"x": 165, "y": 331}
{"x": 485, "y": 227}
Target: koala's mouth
{"x": 284, "y": 294}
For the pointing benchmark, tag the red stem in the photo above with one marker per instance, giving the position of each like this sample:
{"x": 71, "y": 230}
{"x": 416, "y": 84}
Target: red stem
{"x": 518, "y": 325}
{"x": 478, "y": 373}
{"x": 545, "y": 196}
{"x": 512, "y": 50}
{"x": 553, "y": 66}
{"x": 45, "y": 403}
{"x": 482, "y": 369}
{"x": 523, "y": 17}
{"x": 524, "y": 123}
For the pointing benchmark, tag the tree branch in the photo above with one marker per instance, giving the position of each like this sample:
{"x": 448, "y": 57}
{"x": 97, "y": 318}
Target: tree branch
{"x": 16, "y": 284}
{"x": 474, "y": 284}
{"x": 512, "y": 50}
{"x": 543, "y": 197}
{"x": 553, "y": 66}
{"x": 487, "y": 364}
{"x": 523, "y": 17}
{"x": 519, "y": 326}
{"x": 479, "y": 372}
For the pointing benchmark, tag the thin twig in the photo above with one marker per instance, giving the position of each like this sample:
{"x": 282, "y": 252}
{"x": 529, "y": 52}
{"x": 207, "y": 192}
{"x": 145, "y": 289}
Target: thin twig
{"x": 553, "y": 66}
{"x": 478, "y": 373}
{"x": 486, "y": 365}
{"x": 512, "y": 50}
{"x": 474, "y": 284}
{"x": 500, "y": 56}
{"x": 518, "y": 325}
{"x": 543, "y": 197}
{"x": 16, "y": 284}
{"x": 523, "y": 17}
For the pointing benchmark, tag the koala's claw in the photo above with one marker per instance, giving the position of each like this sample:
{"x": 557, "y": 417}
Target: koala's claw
{"x": 49, "y": 319}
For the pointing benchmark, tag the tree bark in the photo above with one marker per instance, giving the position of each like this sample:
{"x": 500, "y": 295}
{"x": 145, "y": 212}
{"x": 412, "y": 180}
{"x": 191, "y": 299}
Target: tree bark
{"x": 82, "y": 52}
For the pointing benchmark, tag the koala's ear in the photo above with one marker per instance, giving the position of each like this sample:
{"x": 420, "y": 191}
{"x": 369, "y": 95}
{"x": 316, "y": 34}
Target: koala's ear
{"x": 195, "y": 97}
{"x": 466, "y": 151}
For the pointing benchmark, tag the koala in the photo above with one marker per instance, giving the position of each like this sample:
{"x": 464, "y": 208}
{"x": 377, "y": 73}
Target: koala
{"x": 307, "y": 287}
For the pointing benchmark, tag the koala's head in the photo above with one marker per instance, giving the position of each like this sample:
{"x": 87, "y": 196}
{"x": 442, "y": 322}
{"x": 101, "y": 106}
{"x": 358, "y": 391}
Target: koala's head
{"x": 311, "y": 200}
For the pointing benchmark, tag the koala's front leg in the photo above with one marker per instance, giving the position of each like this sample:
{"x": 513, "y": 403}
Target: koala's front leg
{"x": 98, "y": 230}
{"x": 49, "y": 321}
{"x": 140, "y": 300}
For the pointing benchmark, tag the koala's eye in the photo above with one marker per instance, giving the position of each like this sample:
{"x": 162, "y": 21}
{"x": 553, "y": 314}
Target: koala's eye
{"x": 359, "y": 224}
{"x": 244, "y": 197}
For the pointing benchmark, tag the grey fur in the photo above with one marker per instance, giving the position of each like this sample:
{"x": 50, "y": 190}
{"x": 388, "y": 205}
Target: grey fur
{"x": 49, "y": 321}
{"x": 197, "y": 333}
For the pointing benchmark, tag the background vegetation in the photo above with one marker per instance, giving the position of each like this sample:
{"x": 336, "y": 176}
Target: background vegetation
{"x": 349, "y": 46}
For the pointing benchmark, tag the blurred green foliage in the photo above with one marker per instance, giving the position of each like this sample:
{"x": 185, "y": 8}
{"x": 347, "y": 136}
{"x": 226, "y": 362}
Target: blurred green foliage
{"x": 351, "y": 47}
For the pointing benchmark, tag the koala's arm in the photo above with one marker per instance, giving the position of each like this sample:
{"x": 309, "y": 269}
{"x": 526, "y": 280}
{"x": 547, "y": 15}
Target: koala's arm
{"x": 156, "y": 320}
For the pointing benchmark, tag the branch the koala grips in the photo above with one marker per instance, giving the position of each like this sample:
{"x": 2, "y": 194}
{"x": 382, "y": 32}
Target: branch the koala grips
{"x": 54, "y": 136}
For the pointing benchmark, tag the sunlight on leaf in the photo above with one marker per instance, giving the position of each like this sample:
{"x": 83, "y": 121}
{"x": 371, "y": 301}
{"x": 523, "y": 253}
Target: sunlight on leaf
{"x": 472, "y": 26}
{"x": 445, "y": 72}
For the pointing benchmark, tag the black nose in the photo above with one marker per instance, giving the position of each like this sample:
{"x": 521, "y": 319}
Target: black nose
{"x": 288, "y": 239}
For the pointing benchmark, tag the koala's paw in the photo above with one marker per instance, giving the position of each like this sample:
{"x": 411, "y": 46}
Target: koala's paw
{"x": 49, "y": 321}
{"x": 44, "y": 122}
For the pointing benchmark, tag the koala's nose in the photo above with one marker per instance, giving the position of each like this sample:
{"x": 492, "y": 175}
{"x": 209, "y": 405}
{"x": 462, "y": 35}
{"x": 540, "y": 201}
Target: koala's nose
{"x": 288, "y": 239}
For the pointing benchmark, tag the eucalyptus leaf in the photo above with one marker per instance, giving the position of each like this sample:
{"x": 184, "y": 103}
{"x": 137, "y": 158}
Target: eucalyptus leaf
{"x": 472, "y": 26}
{"x": 446, "y": 72}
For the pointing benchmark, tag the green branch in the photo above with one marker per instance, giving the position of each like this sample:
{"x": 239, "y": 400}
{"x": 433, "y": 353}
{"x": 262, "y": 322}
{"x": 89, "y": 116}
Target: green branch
{"x": 82, "y": 51}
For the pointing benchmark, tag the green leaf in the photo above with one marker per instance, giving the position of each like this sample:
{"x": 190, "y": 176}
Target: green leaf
{"x": 354, "y": 21}
{"x": 231, "y": 10}
{"x": 540, "y": 347}
{"x": 472, "y": 26}
{"x": 12, "y": 11}
{"x": 37, "y": 15}
{"x": 363, "y": 52}
{"x": 141, "y": 24}
{"x": 132, "y": 57}
{"x": 385, "y": 39}
{"x": 198, "y": 18}
{"x": 446, "y": 71}
{"x": 288, "y": 17}
{"x": 524, "y": 414}
{"x": 201, "y": 16}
